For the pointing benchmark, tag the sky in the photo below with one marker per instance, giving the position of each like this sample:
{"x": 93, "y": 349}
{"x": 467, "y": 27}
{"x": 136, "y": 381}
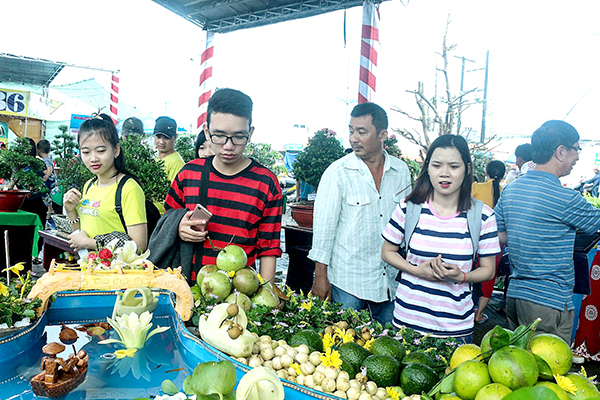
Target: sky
{"x": 544, "y": 60}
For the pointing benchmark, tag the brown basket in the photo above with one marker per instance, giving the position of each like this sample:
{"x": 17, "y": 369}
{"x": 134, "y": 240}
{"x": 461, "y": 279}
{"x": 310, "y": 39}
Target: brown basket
{"x": 62, "y": 224}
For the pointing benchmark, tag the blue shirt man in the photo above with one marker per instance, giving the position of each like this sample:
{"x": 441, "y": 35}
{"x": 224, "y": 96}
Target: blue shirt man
{"x": 538, "y": 217}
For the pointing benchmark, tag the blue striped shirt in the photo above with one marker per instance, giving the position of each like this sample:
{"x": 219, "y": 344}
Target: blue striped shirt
{"x": 540, "y": 216}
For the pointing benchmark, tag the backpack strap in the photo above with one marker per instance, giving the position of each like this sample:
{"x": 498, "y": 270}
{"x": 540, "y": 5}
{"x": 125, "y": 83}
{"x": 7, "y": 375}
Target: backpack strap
{"x": 474, "y": 223}
{"x": 89, "y": 184}
{"x": 413, "y": 213}
{"x": 118, "y": 202}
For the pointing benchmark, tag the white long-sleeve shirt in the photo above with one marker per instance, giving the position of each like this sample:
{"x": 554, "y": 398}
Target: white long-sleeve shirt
{"x": 349, "y": 216}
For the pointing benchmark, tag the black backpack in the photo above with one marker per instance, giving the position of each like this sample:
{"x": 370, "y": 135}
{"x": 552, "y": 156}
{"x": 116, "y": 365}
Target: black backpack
{"x": 152, "y": 213}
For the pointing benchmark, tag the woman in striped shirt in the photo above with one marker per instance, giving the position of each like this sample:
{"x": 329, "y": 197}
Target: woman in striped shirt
{"x": 434, "y": 295}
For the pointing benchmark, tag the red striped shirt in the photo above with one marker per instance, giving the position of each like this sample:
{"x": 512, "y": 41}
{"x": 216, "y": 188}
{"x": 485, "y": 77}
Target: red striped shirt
{"x": 246, "y": 207}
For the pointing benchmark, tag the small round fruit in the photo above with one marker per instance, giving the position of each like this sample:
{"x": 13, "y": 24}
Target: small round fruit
{"x": 233, "y": 310}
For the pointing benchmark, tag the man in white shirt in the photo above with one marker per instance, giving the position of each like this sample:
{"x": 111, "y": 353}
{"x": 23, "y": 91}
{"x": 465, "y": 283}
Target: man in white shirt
{"x": 523, "y": 154}
{"x": 355, "y": 199}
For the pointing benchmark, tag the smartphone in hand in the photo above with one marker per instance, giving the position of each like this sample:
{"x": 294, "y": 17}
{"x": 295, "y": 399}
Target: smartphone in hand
{"x": 201, "y": 213}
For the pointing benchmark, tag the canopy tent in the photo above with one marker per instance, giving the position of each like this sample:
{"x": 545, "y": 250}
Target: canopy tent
{"x": 229, "y": 15}
{"x": 28, "y": 71}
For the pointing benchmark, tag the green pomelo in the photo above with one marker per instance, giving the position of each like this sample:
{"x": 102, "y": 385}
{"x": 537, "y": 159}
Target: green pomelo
{"x": 532, "y": 393}
{"x": 469, "y": 378}
{"x": 493, "y": 391}
{"x": 418, "y": 357}
{"x": 562, "y": 395}
{"x": 585, "y": 388}
{"x": 513, "y": 367}
{"x": 554, "y": 350}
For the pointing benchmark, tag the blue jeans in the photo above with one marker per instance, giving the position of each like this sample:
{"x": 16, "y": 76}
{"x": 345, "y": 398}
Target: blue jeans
{"x": 382, "y": 312}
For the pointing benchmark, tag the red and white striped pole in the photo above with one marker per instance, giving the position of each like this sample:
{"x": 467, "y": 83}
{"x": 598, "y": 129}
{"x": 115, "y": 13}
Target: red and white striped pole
{"x": 114, "y": 98}
{"x": 205, "y": 79}
{"x": 368, "y": 52}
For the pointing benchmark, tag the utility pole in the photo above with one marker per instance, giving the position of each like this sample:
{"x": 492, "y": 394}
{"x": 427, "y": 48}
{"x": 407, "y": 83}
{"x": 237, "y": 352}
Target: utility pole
{"x": 487, "y": 64}
{"x": 462, "y": 81}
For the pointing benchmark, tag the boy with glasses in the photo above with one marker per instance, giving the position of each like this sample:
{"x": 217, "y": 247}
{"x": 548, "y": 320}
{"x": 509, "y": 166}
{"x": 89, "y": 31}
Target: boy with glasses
{"x": 243, "y": 196}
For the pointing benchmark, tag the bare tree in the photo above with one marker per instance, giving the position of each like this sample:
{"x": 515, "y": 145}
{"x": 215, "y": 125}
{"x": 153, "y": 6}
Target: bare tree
{"x": 431, "y": 113}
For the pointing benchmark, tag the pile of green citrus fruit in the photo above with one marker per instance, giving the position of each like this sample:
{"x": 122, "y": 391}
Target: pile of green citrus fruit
{"x": 514, "y": 366}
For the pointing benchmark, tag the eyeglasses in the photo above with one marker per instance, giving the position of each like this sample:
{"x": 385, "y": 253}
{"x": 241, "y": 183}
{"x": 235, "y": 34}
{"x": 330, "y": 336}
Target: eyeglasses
{"x": 222, "y": 140}
{"x": 576, "y": 148}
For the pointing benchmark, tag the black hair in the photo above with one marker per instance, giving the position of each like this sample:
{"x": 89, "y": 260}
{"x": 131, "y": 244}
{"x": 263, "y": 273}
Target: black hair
{"x": 43, "y": 146}
{"x": 200, "y": 139}
{"x": 230, "y": 101}
{"x": 496, "y": 170}
{"x": 524, "y": 151}
{"x": 33, "y": 148}
{"x": 549, "y": 136}
{"x": 378, "y": 115}
{"x": 104, "y": 126}
{"x": 423, "y": 189}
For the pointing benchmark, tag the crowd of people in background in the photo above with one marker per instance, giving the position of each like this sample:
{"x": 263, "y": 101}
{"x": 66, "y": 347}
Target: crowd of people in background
{"x": 422, "y": 255}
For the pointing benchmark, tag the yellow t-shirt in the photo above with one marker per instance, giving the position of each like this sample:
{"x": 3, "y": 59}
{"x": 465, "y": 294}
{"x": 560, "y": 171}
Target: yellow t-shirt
{"x": 484, "y": 192}
{"x": 97, "y": 208}
{"x": 173, "y": 164}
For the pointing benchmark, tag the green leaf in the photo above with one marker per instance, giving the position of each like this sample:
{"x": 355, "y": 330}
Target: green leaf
{"x": 168, "y": 387}
{"x": 521, "y": 337}
{"x": 446, "y": 385}
{"x": 544, "y": 368}
{"x": 532, "y": 393}
{"x": 499, "y": 338}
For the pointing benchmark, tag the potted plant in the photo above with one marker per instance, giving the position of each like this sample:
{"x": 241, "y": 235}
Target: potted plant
{"x": 322, "y": 150}
{"x": 22, "y": 174}
{"x": 16, "y": 310}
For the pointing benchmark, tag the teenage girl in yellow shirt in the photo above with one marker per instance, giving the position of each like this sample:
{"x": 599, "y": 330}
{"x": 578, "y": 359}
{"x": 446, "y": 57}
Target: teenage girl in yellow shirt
{"x": 92, "y": 214}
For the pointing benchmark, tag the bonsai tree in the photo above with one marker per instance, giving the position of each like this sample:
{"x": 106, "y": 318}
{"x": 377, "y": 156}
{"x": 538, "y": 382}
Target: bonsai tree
{"x": 322, "y": 149}
{"x": 149, "y": 170}
{"x": 70, "y": 170}
{"x": 262, "y": 153}
{"x": 184, "y": 145}
{"x": 19, "y": 169}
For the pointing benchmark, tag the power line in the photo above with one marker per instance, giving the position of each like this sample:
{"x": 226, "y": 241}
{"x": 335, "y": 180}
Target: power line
{"x": 585, "y": 94}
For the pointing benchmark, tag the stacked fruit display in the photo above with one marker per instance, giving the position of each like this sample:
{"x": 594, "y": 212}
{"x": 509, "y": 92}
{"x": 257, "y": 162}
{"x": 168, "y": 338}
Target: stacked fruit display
{"x": 231, "y": 281}
{"x": 513, "y": 366}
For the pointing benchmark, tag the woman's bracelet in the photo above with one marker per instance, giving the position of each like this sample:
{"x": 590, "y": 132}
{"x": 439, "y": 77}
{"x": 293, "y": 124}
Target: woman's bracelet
{"x": 464, "y": 275}
{"x": 73, "y": 221}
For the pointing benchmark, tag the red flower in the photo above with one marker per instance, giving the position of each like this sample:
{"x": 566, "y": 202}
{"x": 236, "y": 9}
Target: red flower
{"x": 92, "y": 256}
{"x": 105, "y": 254}
{"x": 105, "y": 262}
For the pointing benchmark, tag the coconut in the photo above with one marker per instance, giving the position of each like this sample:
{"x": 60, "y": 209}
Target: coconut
{"x": 216, "y": 284}
{"x": 246, "y": 281}
{"x": 242, "y": 301}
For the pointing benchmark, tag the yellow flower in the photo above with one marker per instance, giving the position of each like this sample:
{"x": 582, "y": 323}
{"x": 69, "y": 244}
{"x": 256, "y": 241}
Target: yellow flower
{"x": 565, "y": 384}
{"x": 368, "y": 344}
{"x": 260, "y": 279}
{"x": 3, "y": 289}
{"x": 296, "y": 368}
{"x": 343, "y": 335}
{"x": 17, "y": 268}
{"x": 307, "y": 305}
{"x": 583, "y": 372}
{"x": 392, "y": 393}
{"x": 125, "y": 353}
{"x": 231, "y": 274}
{"x": 328, "y": 341}
{"x": 331, "y": 358}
